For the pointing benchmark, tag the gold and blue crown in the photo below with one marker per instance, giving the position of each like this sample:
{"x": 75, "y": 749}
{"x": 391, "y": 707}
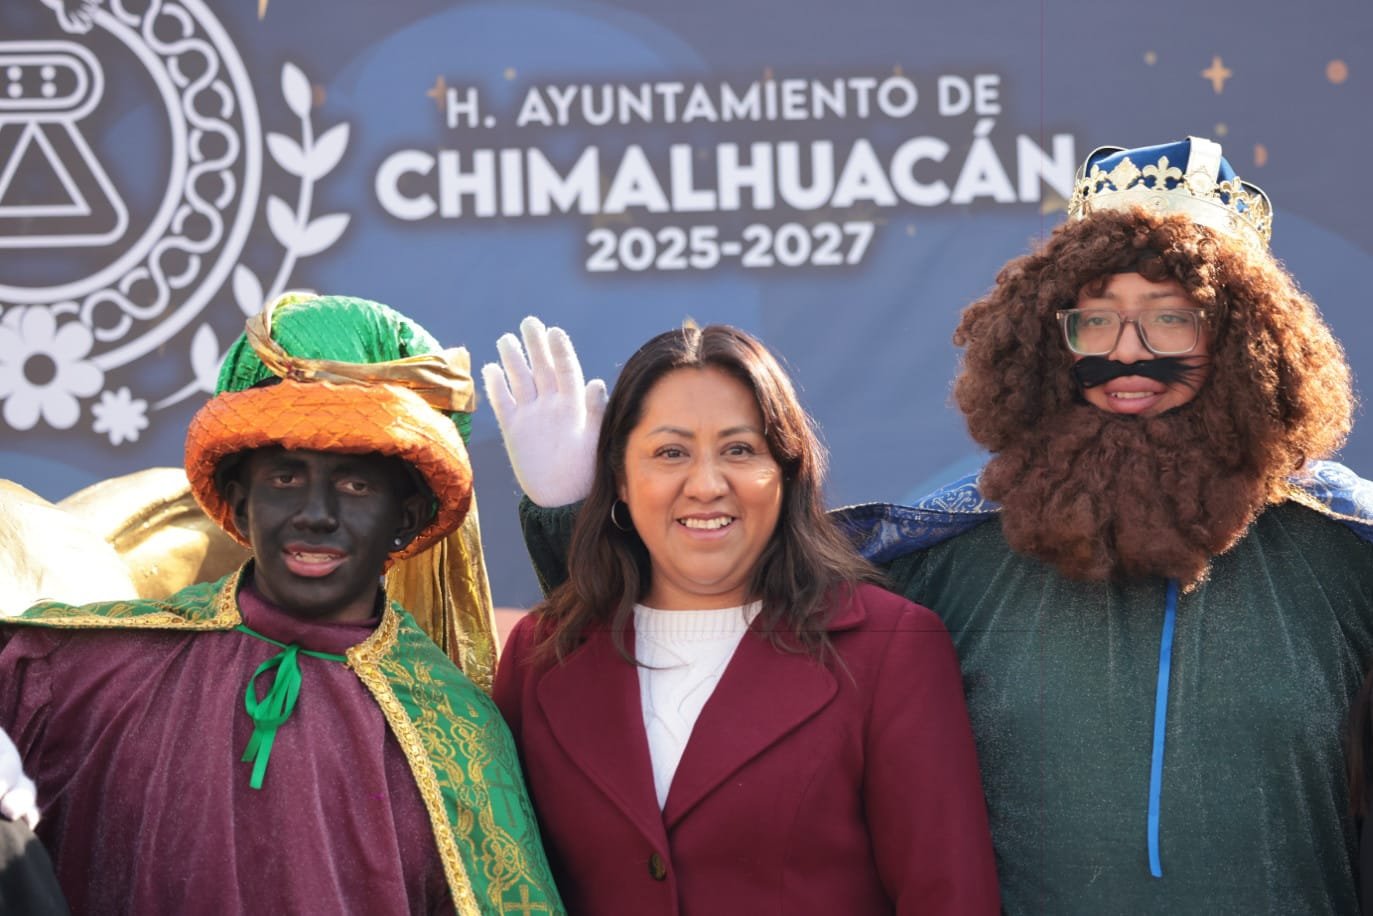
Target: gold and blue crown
{"x": 1189, "y": 177}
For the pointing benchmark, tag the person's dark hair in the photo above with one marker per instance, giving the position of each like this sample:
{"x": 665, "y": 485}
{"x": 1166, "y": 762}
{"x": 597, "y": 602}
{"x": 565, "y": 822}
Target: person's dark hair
{"x": 807, "y": 557}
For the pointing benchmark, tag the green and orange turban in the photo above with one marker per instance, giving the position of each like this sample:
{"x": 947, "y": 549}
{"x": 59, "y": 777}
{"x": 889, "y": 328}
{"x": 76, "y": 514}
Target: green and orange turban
{"x": 339, "y": 374}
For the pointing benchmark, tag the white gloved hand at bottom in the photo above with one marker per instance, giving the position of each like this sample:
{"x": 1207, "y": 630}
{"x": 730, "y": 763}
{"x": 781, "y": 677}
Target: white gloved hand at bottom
{"x": 18, "y": 797}
{"x": 550, "y": 417}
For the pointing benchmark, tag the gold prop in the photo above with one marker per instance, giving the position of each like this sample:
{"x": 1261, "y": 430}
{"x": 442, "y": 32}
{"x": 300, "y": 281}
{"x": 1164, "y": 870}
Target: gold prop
{"x": 443, "y": 380}
{"x": 447, "y": 591}
{"x": 155, "y": 526}
{"x": 47, "y": 552}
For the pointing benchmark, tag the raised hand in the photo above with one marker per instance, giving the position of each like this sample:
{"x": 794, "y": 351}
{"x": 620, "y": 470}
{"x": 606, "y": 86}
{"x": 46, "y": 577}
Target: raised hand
{"x": 549, "y": 415}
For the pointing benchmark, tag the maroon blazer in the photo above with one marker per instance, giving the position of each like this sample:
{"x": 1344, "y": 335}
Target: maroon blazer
{"x": 850, "y": 787}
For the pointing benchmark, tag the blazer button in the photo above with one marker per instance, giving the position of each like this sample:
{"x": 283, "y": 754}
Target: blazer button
{"x": 656, "y": 869}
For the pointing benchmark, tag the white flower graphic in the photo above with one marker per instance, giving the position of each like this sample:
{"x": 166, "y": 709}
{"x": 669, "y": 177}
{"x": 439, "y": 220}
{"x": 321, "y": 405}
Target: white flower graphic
{"x": 120, "y": 415}
{"x": 43, "y": 369}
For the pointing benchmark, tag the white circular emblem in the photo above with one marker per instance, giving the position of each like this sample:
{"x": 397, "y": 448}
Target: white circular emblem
{"x": 164, "y": 276}
{"x": 148, "y": 270}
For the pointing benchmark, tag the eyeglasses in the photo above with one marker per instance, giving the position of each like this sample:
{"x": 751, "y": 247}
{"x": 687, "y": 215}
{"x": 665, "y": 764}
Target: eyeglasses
{"x": 1164, "y": 332}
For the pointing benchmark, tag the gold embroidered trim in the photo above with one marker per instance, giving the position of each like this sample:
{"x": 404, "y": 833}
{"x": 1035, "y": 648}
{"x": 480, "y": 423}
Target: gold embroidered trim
{"x": 1304, "y": 498}
{"x": 364, "y": 659}
{"x": 372, "y": 649}
{"x": 225, "y": 617}
{"x": 502, "y": 858}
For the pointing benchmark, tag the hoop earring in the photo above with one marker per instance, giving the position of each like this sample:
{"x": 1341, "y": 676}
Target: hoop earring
{"x": 614, "y": 521}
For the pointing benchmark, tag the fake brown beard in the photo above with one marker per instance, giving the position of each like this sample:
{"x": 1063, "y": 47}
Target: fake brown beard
{"x": 1100, "y": 496}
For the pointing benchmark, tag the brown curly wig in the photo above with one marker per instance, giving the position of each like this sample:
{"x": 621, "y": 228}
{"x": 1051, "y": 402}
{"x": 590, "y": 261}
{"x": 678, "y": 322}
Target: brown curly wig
{"x": 1103, "y": 496}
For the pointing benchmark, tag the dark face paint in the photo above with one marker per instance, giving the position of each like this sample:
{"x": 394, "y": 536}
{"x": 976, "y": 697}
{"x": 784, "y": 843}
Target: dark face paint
{"x": 321, "y": 525}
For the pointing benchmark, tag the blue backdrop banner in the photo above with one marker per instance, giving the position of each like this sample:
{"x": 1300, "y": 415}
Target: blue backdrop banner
{"x": 840, "y": 179}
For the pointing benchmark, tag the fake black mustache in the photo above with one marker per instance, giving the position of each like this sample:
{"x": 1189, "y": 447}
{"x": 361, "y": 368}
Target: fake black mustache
{"x": 1091, "y": 371}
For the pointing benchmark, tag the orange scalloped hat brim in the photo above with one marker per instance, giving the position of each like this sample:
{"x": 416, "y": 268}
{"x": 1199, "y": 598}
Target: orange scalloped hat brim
{"x": 327, "y": 417}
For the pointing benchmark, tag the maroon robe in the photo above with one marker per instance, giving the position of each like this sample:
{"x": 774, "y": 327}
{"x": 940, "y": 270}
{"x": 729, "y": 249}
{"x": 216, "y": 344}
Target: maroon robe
{"x": 134, "y": 739}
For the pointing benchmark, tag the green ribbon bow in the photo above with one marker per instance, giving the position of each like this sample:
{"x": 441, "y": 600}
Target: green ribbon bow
{"x": 271, "y": 711}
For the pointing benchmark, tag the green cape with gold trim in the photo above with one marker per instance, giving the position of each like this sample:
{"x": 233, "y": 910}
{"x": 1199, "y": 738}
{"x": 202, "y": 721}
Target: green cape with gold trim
{"x": 459, "y": 749}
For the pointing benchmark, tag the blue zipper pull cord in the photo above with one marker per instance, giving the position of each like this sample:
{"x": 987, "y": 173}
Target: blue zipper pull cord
{"x": 1165, "y": 666}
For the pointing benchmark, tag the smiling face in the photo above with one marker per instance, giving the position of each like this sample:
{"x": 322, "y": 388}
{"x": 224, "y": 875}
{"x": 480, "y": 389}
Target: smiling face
{"x": 1132, "y": 296}
{"x": 703, "y": 490}
{"x": 321, "y": 525}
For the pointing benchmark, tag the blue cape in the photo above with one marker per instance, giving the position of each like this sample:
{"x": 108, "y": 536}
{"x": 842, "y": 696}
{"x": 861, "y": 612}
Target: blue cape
{"x": 884, "y": 531}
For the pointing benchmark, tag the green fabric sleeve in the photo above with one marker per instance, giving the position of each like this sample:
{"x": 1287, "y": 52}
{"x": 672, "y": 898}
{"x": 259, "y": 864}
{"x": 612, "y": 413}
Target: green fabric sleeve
{"x": 905, "y": 575}
{"x": 547, "y": 537}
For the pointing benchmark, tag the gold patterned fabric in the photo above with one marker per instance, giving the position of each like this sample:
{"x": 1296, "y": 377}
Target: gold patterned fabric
{"x": 442, "y": 379}
{"x": 448, "y": 590}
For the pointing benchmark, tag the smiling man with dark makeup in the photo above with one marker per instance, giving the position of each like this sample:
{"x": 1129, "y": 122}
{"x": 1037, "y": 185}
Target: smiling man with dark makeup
{"x": 313, "y": 518}
{"x": 286, "y": 739}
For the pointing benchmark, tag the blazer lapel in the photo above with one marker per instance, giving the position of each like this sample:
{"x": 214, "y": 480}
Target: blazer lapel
{"x": 763, "y": 695}
{"x": 592, "y": 704}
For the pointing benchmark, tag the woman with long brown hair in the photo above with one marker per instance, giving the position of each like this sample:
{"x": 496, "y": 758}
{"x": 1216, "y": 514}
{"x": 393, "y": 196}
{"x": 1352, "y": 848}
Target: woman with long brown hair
{"x": 717, "y": 712}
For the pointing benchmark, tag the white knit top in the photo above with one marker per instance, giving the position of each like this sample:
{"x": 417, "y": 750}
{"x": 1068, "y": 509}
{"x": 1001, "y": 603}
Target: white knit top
{"x": 682, "y": 655}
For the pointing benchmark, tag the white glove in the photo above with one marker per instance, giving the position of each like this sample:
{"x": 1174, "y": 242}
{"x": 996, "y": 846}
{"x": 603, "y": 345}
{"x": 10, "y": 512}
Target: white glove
{"x": 18, "y": 797}
{"x": 549, "y": 415}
